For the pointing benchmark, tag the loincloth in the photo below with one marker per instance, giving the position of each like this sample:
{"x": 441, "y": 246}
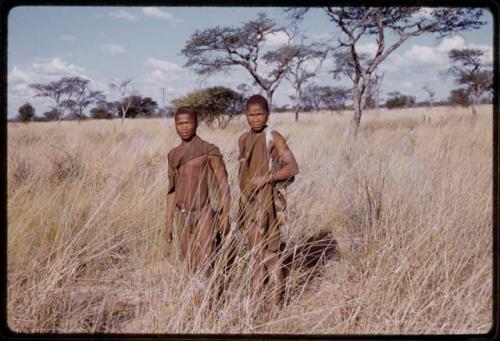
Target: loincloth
{"x": 188, "y": 220}
{"x": 269, "y": 220}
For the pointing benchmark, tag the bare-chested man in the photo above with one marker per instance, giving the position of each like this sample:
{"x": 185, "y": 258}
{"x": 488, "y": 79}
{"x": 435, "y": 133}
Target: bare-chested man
{"x": 266, "y": 165}
{"x": 188, "y": 200}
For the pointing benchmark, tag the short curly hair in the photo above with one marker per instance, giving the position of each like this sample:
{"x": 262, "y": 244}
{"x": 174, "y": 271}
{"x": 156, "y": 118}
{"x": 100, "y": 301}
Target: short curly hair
{"x": 257, "y": 99}
{"x": 186, "y": 110}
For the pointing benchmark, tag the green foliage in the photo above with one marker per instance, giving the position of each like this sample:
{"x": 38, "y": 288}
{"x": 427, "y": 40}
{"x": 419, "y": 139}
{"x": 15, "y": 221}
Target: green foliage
{"x": 460, "y": 97}
{"x": 216, "y": 105}
{"x": 138, "y": 106}
{"x": 51, "y": 115}
{"x": 100, "y": 113}
{"x": 103, "y": 110}
{"x": 398, "y": 100}
{"x": 26, "y": 112}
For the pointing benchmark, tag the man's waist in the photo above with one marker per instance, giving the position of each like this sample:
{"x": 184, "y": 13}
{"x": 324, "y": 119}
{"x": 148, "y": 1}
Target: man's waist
{"x": 191, "y": 208}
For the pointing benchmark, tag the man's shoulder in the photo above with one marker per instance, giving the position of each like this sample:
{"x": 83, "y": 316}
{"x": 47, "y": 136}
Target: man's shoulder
{"x": 173, "y": 153}
{"x": 277, "y": 137}
{"x": 243, "y": 136}
{"x": 209, "y": 148}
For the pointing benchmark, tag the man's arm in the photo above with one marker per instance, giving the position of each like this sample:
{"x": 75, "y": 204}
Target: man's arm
{"x": 169, "y": 216}
{"x": 170, "y": 202}
{"x": 220, "y": 173}
{"x": 290, "y": 166}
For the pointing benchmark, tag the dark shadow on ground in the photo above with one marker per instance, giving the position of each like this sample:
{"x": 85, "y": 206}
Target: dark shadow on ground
{"x": 309, "y": 253}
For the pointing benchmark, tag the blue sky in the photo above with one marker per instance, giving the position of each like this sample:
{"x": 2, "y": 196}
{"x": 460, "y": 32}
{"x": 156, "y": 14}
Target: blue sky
{"x": 107, "y": 44}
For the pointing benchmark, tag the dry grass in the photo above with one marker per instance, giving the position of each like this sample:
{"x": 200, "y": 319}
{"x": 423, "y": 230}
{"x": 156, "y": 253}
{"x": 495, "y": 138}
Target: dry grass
{"x": 409, "y": 203}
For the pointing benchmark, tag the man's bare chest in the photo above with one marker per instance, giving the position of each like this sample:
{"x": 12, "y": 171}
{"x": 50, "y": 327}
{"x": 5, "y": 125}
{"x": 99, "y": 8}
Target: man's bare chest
{"x": 194, "y": 167}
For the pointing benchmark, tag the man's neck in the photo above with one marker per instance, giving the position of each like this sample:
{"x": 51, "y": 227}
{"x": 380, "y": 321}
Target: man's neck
{"x": 184, "y": 142}
{"x": 259, "y": 131}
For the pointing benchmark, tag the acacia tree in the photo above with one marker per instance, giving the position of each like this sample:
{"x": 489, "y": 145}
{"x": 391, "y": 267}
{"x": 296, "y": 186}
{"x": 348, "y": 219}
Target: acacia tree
{"x": 311, "y": 97}
{"x": 219, "y": 48}
{"x": 430, "y": 94}
{"x": 71, "y": 94}
{"x": 55, "y": 90}
{"x": 334, "y": 98}
{"x": 80, "y": 95}
{"x": 126, "y": 92}
{"x": 469, "y": 71}
{"x": 304, "y": 67}
{"x": 373, "y": 92}
{"x": 405, "y": 23}
{"x": 215, "y": 105}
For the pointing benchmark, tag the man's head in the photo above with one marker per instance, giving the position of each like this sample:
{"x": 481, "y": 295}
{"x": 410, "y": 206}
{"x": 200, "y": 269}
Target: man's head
{"x": 186, "y": 123}
{"x": 257, "y": 112}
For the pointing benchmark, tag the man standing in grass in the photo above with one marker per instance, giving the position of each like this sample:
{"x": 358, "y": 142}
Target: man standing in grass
{"x": 266, "y": 165}
{"x": 190, "y": 166}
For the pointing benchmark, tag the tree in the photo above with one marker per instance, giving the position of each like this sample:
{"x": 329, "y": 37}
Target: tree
{"x": 125, "y": 90}
{"x": 216, "y": 105}
{"x": 218, "y": 49}
{"x": 404, "y": 23}
{"x": 304, "y": 67}
{"x": 71, "y": 94}
{"x": 80, "y": 95}
{"x": 311, "y": 97}
{"x": 468, "y": 70}
{"x": 52, "y": 115}
{"x": 459, "y": 97}
{"x": 104, "y": 110}
{"x": 430, "y": 94}
{"x": 137, "y": 106}
{"x": 334, "y": 98}
{"x": 26, "y": 112}
{"x": 373, "y": 91}
{"x": 54, "y": 90}
{"x": 398, "y": 100}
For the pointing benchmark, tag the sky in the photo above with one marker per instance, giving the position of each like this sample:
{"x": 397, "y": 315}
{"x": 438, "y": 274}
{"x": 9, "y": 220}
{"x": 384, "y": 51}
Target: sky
{"x": 108, "y": 44}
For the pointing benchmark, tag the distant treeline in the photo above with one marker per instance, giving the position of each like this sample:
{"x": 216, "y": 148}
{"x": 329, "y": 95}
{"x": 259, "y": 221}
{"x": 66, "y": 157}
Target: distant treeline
{"x": 214, "y": 105}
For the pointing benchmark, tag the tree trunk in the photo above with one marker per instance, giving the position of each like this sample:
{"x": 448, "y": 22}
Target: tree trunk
{"x": 356, "y": 120}
{"x": 269, "y": 97}
{"x": 297, "y": 105}
{"x": 475, "y": 104}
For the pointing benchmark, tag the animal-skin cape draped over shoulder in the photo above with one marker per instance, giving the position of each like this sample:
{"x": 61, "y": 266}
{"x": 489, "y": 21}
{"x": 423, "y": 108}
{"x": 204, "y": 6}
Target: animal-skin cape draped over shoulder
{"x": 194, "y": 148}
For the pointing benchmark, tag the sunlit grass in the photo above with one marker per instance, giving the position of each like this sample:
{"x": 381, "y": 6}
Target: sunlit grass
{"x": 409, "y": 203}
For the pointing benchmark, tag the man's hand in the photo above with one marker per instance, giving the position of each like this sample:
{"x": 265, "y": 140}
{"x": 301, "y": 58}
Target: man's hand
{"x": 168, "y": 234}
{"x": 260, "y": 181}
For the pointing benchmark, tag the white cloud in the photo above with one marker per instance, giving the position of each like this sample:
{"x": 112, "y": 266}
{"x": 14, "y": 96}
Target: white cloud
{"x": 56, "y": 67}
{"x": 41, "y": 71}
{"x": 423, "y": 13}
{"x": 122, "y": 14}
{"x": 323, "y": 37}
{"x": 17, "y": 76}
{"x": 113, "y": 49}
{"x": 156, "y": 12}
{"x": 425, "y": 55}
{"x": 277, "y": 38}
{"x": 368, "y": 48}
{"x": 419, "y": 55}
{"x": 407, "y": 85}
{"x": 163, "y": 65}
{"x": 454, "y": 42}
{"x": 67, "y": 37}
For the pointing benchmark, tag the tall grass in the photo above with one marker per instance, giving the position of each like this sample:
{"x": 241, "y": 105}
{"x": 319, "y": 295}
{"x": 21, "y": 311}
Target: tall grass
{"x": 408, "y": 202}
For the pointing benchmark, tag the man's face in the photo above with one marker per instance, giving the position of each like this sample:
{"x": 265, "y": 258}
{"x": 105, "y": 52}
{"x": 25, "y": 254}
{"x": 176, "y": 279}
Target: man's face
{"x": 256, "y": 117}
{"x": 185, "y": 125}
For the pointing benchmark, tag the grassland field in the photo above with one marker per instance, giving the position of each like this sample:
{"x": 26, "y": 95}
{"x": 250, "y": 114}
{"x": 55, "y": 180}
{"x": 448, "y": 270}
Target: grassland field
{"x": 409, "y": 202}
